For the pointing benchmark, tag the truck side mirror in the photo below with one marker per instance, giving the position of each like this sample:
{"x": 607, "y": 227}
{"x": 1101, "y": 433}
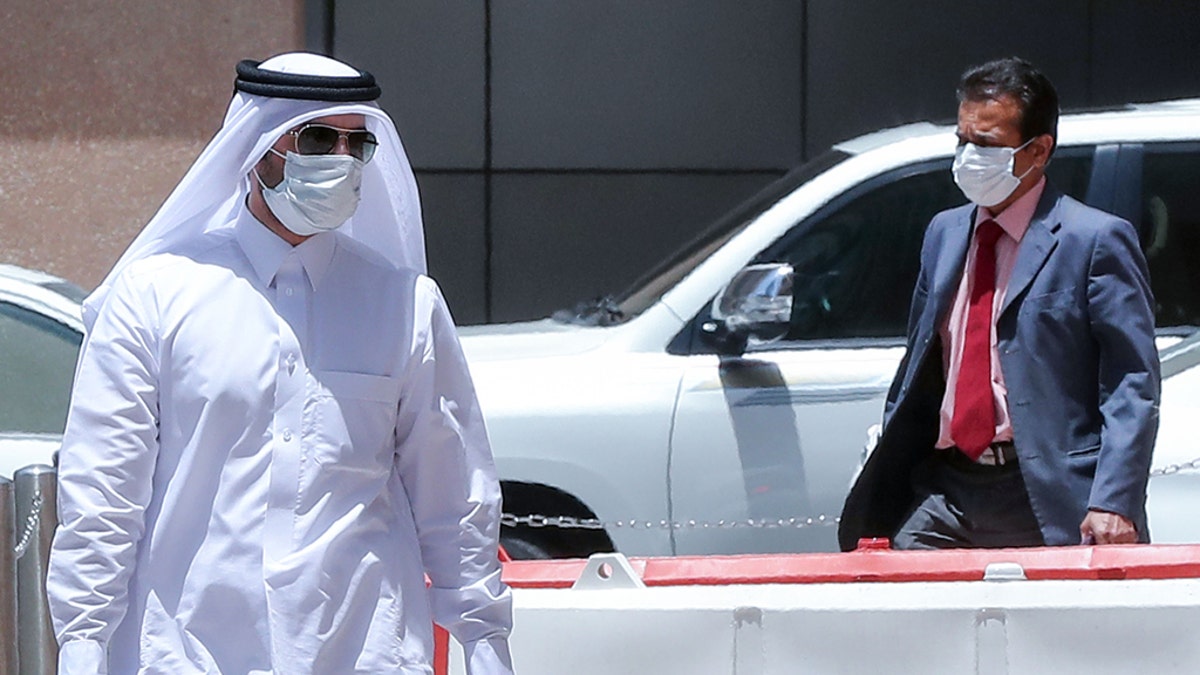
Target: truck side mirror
{"x": 755, "y": 305}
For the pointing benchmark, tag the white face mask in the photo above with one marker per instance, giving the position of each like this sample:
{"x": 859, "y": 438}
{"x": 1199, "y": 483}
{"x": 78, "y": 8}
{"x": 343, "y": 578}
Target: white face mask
{"x": 985, "y": 175}
{"x": 317, "y": 194}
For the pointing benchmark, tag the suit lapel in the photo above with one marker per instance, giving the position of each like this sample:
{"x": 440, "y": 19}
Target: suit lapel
{"x": 950, "y": 266}
{"x": 1040, "y": 239}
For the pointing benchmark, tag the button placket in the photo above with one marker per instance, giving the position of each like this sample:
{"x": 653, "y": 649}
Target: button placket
{"x": 286, "y": 450}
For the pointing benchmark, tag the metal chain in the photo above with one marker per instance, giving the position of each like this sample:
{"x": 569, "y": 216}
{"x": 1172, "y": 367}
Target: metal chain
{"x": 1176, "y": 468}
{"x": 31, "y": 524}
{"x": 537, "y": 520}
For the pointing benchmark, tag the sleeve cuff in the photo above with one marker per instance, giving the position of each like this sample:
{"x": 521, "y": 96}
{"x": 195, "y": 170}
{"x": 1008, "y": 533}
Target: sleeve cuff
{"x": 488, "y": 656}
{"x": 82, "y": 657}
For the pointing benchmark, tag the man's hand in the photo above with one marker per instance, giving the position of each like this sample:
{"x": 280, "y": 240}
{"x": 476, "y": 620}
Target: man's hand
{"x": 1102, "y": 527}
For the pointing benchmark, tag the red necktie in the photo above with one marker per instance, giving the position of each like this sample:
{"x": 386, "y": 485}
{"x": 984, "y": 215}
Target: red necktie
{"x": 973, "y": 425}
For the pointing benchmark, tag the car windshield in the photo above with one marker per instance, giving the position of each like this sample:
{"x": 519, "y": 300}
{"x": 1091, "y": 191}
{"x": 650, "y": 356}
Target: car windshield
{"x": 609, "y": 310}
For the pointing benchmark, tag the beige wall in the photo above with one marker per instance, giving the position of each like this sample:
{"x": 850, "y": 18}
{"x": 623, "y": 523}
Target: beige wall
{"x": 103, "y": 106}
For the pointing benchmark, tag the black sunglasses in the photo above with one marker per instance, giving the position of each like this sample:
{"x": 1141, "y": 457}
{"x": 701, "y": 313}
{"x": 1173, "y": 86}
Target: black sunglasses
{"x": 321, "y": 139}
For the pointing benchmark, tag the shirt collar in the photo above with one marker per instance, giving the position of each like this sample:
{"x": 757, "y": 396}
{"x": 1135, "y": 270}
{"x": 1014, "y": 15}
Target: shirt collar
{"x": 1016, "y": 218}
{"x": 266, "y": 251}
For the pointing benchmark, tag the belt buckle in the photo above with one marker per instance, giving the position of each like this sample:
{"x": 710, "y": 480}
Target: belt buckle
{"x": 994, "y": 455}
{"x": 990, "y": 457}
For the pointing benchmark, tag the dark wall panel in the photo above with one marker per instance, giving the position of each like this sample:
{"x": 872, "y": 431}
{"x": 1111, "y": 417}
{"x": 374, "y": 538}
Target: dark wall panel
{"x": 559, "y": 239}
{"x": 618, "y": 128}
{"x": 646, "y": 83}
{"x": 428, "y": 56}
{"x": 879, "y": 63}
{"x": 452, "y": 207}
{"x": 1144, "y": 55}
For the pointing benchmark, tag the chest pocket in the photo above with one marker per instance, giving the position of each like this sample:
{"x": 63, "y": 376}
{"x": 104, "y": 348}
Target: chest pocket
{"x": 1056, "y": 302}
{"x": 352, "y": 419}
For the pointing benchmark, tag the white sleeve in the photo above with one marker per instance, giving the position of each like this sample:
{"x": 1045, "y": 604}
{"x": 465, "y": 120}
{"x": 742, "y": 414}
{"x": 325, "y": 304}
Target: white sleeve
{"x": 104, "y": 480}
{"x": 445, "y": 463}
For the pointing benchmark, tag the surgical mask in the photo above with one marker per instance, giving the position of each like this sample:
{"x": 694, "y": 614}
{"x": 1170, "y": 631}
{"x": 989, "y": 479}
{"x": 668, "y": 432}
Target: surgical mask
{"x": 985, "y": 175}
{"x": 317, "y": 194}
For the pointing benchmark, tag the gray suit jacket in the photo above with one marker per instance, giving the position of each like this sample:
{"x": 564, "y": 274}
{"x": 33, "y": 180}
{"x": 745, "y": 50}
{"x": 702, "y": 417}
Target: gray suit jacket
{"x": 1076, "y": 342}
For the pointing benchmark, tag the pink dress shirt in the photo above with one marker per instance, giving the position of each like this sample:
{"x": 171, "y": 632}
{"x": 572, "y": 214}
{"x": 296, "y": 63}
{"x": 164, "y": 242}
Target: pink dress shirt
{"x": 1014, "y": 221}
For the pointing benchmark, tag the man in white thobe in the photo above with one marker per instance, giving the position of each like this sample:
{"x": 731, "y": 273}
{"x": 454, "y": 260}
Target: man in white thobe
{"x": 273, "y": 436}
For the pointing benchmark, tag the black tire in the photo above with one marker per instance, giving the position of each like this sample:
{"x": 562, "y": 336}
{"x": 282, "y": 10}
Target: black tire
{"x": 531, "y": 502}
{"x": 521, "y": 546}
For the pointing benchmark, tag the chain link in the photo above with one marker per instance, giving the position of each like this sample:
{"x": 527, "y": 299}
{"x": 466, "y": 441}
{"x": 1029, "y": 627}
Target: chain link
{"x": 537, "y": 520}
{"x": 31, "y": 524}
{"x": 1176, "y": 468}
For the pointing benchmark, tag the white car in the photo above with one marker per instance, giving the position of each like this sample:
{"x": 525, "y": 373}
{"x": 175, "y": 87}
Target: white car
{"x": 40, "y": 334}
{"x": 650, "y": 424}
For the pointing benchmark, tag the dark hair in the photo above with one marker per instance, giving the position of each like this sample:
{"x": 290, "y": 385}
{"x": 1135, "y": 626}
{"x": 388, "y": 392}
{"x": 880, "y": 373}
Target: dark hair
{"x": 1016, "y": 78}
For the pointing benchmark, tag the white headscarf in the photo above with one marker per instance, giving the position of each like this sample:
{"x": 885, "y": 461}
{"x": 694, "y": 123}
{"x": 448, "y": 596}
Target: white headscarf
{"x": 388, "y": 219}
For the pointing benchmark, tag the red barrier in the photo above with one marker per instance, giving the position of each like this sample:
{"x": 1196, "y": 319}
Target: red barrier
{"x": 872, "y": 562}
{"x": 441, "y": 650}
{"x": 1133, "y": 561}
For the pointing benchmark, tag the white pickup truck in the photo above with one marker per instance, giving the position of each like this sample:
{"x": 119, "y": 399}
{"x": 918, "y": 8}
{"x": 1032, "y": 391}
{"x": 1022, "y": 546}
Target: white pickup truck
{"x": 645, "y": 423}
{"x": 648, "y": 423}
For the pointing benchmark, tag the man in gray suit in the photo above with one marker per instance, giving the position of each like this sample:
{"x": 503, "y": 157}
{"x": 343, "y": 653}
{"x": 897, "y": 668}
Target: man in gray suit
{"x": 1025, "y": 410}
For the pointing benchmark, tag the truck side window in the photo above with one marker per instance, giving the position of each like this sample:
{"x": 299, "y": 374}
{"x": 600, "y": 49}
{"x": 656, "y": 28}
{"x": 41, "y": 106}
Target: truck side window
{"x": 855, "y": 267}
{"x": 856, "y": 261}
{"x": 1171, "y": 217}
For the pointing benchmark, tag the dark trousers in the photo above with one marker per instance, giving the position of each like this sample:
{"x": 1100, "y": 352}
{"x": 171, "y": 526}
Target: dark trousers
{"x": 961, "y": 504}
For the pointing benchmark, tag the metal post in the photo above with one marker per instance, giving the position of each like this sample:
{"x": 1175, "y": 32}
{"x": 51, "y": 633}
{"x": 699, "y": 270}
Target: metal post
{"x": 8, "y": 579}
{"x": 37, "y": 516}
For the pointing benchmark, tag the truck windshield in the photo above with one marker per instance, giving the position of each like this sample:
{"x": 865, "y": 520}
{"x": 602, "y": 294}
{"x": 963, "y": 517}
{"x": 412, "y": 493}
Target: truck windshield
{"x": 646, "y": 291}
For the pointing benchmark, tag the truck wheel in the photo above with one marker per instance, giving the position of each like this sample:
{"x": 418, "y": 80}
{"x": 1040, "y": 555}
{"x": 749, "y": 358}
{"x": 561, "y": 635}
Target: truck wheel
{"x": 521, "y": 546}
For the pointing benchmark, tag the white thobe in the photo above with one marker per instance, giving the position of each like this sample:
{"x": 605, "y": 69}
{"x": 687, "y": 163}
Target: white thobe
{"x": 268, "y": 448}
